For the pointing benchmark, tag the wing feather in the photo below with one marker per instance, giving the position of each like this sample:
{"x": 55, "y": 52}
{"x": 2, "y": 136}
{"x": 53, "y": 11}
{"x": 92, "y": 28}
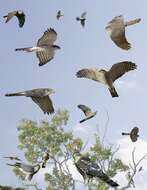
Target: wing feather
{"x": 45, "y": 56}
{"x": 119, "y": 69}
{"x": 85, "y": 109}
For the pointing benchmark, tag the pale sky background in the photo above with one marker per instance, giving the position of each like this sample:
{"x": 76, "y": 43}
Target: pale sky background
{"x": 90, "y": 47}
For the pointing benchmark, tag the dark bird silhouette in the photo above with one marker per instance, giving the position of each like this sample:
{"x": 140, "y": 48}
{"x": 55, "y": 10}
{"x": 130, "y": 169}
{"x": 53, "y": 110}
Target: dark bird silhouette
{"x": 20, "y": 16}
{"x": 116, "y": 29}
{"x": 29, "y": 170}
{"x": 45, "y": 49}
{"x": 89, "y": 169}
{"x": 13, "y": 158}
{"x": 45, "y": 159}
{"x": 87, "y": 111}
{"x": 59, "y": 14}
{"x": 40, "y": 96}
{"x": 82, "y": 18}
{"x": 133, "y": 134}
{"x": 108, "y": 77}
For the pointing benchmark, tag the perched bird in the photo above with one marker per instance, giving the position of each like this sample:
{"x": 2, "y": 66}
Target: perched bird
{"x": 89, "y": 169}
{"x": 87, "y": 111}
{"x": 45, "y": 159}
{"x": 45, "y": 49}
{"x": 133, "y": 134}
{"x": 108, "y": 77}
{"x": 40, "y": 96}
{"x": 82, "y": 19}
{"x": 20, "y": 16}
{"x": 116, "y": 29}
{"x": 59, "y": 14}
{"x": 29, "y": 170}
{"x": 13, "y": 158}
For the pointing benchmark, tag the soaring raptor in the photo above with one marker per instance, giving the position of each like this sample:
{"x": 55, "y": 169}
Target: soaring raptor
{"x": 45, "y": 49}
{"x": 29, "y": 170}
{"x": 87, "y": 111}
{"x": 108, "y": 77}
{"x": 89, "y": 169}
{"x": 19, "y": 14}
{"x": 40, "y": 96}
{"x": 133, "y": 134}
{"x": 116, "y": 28}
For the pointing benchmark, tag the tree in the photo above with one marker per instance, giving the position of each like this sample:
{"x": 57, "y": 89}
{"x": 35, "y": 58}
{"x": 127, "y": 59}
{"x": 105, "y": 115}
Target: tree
{"x": 37, "y": 138}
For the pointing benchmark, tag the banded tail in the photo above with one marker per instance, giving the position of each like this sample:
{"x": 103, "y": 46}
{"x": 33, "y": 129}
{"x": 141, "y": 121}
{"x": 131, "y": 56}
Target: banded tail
{"x": 16, "y": 94}
{"x": 113, "y": 92}
{"x": 27, "y": 49}
{"x": 125, "y": 133}
{"x": 108, "y": 180}
{"x": 131, "y": 22}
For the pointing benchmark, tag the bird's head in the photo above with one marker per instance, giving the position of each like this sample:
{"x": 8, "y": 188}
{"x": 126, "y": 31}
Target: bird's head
{"x": 102, "y": 71}
{"x": 20, "y": 12}
{"x": 56, "y": 47}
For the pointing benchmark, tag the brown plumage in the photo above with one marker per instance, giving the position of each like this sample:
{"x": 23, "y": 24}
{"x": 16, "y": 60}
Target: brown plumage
{"x": 133, "y": 134}
{"x": 45, "y": 159}
{"x": 108, "y": 77}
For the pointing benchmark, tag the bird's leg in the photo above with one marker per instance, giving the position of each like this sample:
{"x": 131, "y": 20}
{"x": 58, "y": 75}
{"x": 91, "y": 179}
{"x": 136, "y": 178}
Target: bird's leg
{"x": 131, "y": 22}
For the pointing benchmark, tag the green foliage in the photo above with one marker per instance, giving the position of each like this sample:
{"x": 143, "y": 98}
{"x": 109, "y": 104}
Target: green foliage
{"x": 10, "y": 188}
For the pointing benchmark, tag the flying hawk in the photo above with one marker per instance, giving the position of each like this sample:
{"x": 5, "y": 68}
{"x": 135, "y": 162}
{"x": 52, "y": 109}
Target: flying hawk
{"x": 45, "y": 159}
{"x": 82, "y": 18}
{"x": 29, "y": 170}
{"x": 13, "y": 158}
{"x": 89, "y": 169}
{"x": 87, "y": 111}
{"x": 116, "y": 28}
{"x": 40, "y": 96}
{"x": 45, "y": 49}
{"x": 133, "y": 134}
{"x": 19, "y": 14}
{"x": 59, "y": 14}
{"x": 108, "y": 77}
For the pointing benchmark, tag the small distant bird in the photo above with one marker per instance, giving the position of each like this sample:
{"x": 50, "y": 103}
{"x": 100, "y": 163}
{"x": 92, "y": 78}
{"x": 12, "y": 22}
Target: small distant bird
{"x": 116, "y": 28}
{"x": 87, "y": 111}
{"x": 108, "y": 77}
{"x": 13, "y": 158}
{"x": 140, "y": 169}
{"x": 29, "y": 170}
{"x": 20, "y": 16}
{"x": 59, "y": 14}
{"x": 89, "y": 169}
{"x": 45, "y": 159}
{"x": 82, "y": 19}
{"x": 45, "y": 49}
{"x": 40, "y": 96}
{"x": 133, "y": 134}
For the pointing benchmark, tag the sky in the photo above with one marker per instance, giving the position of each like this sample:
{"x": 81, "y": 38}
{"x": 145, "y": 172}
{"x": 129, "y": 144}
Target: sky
{"x": 88, "y": 47}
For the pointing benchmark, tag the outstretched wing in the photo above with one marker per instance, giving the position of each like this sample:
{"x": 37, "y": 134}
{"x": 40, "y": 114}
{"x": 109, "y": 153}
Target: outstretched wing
{"x": 44, "y": 103}
{"x": 119, "y": 69}
{"x": 21, "y": 18}
{"x": 117, "y": 32}
{"x": 45, "y": 56}
{"x": 85, "y": 109}
{"x": 48, "y": 38}
{"x": 134, "y": 134}
{"x": 10, "y": 15}
{"x": 83, "y": 15}
{"x": 90, "y": 74}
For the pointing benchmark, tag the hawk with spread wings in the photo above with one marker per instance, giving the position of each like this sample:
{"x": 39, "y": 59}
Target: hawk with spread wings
{"x": 87, "y": 111}
{"x": 45, "y": 49}
{"x": 20, "y": 16}
{"x": 133, "y": 134}
{"x": 59, "y": 14}
{"x": 82, "y": 18}
{"x": 116, "y": 28}
{"x": 108, "y": 77}
{"x": 40, "y": 96}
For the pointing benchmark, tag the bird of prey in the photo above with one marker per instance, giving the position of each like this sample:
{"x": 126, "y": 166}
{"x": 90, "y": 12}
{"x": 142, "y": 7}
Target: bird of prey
{"x": 29, "y": 170}
{"x": 40, "y": 96}
{"x": 87, "y": 111}
{"x": 133, "y": 134}
{"x": 45, "y": 49}
{"x": 108, "y": 77}
{"x": 13, "y": 158}
{"x": 116, "y": 29}
{"x": 82, "y": 19}
{"x": 59, "y": 14}
{"x": 45, "y": 159}
{"x": 89, "y": 169}
{"x": 19, "y": 14}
